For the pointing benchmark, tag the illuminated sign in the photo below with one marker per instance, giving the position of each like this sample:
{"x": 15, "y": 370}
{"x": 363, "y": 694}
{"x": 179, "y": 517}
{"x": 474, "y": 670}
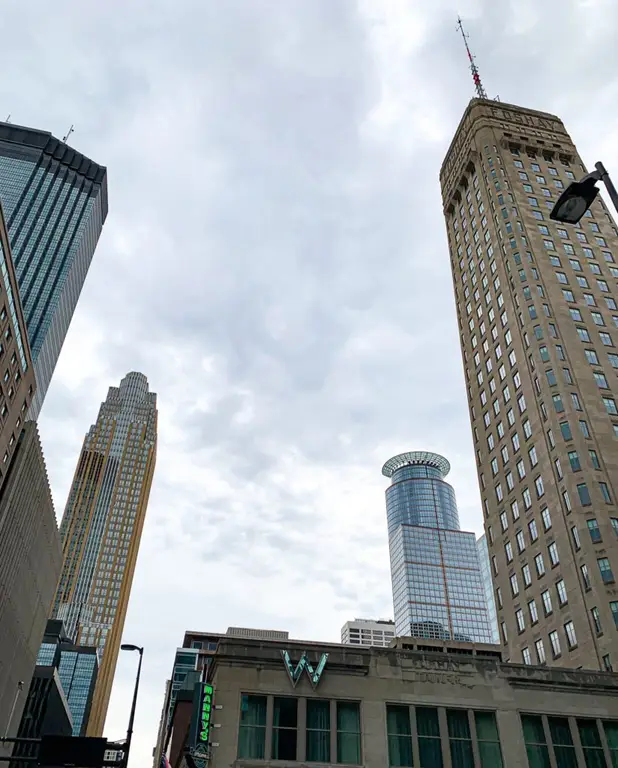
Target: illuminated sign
{"x": 294, "y": 673}
{"x": 204, "y": 714}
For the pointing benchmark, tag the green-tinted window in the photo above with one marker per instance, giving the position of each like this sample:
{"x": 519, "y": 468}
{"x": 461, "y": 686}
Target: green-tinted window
{"x": 318, "y": 731}
{"x": 460, "y": 738}
{"x": 285, "y": 722}
{"x": 252, "y": 731}
{"x": 399, "y": 735}
{"x": 428, "y": 730}
{"x": 591, "y": 743}
{"x": 536, "y": 744}
{"x": 488, "y": 739}
{"x": 562, "y": 740}
{"x": 611, "y": 734}
{"x": 348, "y": 732}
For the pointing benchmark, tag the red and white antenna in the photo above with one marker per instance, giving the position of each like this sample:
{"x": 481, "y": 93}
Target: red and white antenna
{"x": 480, "y": 91}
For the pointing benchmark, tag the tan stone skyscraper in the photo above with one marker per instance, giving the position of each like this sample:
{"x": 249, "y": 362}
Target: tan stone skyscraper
{"x": 102, "y": 527}
{"x": 537, "y": 306}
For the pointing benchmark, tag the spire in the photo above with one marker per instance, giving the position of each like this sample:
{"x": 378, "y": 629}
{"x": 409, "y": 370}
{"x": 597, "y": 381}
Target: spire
{"x": 480, "y": 91}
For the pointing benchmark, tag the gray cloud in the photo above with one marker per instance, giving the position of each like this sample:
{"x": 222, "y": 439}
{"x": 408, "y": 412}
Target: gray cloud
{"x": 275, "y": 262}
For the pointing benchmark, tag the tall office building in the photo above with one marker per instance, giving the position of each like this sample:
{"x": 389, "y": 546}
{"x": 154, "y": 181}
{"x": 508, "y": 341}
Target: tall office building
{"x": 537, "y": 305}
{"x": 437, "y": 587}
{"x": 102, "y": 527}
{"x": 488, "y": 586}
{"x": 30, "y": 563}
{"x": 368, "y": 632}
{"x": 55, "y": 203}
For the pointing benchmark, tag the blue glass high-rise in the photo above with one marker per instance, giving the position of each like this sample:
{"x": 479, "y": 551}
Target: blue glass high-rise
{"x": 437, "y": 587}
{"x": 488, "y": 585}
{"x": 55, "y": 204}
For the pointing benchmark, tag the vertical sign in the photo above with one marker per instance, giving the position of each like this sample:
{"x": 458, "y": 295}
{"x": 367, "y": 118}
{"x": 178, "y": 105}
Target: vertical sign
{"x": 202, "y": 713}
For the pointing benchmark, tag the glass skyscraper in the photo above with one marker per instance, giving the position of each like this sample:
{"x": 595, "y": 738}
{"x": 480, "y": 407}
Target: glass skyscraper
{"x": 102, "y": 527}
{"x": 55, "y": 204}
{"x": 437, "y": 587}
{"x": 488, "y": 585}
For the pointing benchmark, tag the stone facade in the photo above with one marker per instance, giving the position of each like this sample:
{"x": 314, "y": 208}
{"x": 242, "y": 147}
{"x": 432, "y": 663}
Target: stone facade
{"x": 537, "y": 307}
{"x": 446, "y": 678}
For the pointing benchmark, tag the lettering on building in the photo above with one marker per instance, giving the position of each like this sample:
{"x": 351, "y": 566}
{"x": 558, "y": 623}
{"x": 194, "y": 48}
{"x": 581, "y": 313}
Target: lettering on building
{"x": 295, "y": 672}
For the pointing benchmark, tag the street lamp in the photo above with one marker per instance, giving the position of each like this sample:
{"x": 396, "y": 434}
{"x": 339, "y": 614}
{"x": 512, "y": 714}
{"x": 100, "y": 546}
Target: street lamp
{"x": 131, "y": 647}
{"x": 579, "y": 196}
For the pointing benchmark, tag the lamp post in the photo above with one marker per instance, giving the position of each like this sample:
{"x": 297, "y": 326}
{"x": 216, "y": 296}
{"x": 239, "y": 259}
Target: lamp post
{"x": 20, "y": 688}
{"x": 130, "y": 647}
{"x": 579, "y": 196}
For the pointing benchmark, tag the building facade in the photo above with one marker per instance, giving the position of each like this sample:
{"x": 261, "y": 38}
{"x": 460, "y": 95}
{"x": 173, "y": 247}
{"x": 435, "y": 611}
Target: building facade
{"x": 435, "y": 571}
{"x": 77, "y": 668}
{"x": 30, "y": 563}
{"x": 55, "y": 203}
{"x": 537, "y": 306}
{"x": 191, "y": 665}
{"x": 102, "y": 527}
{"x": 368, "y": 632}
{"x": 438, "y": 706}
{"x": 488, "y": 586}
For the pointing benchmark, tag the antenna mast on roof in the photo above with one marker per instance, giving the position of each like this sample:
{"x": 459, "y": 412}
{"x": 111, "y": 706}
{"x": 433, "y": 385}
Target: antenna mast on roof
{"x": 480, "y": 91}
{"x": 71, "y": 130}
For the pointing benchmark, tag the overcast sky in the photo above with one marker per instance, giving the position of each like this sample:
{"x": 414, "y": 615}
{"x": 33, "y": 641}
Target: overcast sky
{"x": 274, "y": 260}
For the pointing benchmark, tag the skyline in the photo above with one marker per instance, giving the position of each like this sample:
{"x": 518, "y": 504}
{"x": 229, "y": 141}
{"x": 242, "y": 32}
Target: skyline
{"x": 319, "y": 433}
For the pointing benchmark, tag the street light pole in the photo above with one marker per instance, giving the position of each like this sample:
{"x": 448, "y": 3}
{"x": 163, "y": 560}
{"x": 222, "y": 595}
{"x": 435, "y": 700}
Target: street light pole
{"x": 20, "y": 688}
{"x": 609, "y": 184}
{"x": 129, "y": 647}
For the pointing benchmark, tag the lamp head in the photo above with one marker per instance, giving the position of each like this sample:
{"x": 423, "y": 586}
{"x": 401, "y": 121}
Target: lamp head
{"x": 574, "y": 201}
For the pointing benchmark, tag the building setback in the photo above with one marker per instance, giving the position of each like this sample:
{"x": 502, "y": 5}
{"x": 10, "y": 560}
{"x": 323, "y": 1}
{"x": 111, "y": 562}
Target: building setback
{"x": 30, "y": 563}
{"x": 537, "y": 307}
{"x": 438, "y": 705}
{"x": 435, "y": 570}
{"x": 55, "y": 203}
{"x": 102, "y": 527}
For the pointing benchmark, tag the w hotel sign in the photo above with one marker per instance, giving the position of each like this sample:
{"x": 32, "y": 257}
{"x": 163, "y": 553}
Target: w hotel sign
{"x": 304, "y": 665}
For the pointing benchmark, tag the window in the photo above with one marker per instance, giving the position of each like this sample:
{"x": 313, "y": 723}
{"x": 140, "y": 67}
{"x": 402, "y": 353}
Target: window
{"x": 540, "y": 565}
{"x": 527, "y": 429}
{"x": 576, "y": 314}
{"x": 488, "y": 740}
{"x": 428, "y": 729}
{"x": 584, "y": 495}
{"x": 607, "y": 666}
{"x": 555, "y": 644}
{"x": 252, "y": 731}
{"x": 508, "y": 550}
{"x": 285, "y": 723}
{"x": 562, "y": 278}
{"x": 504, "y": 522}
{"x": 519, "y": 618}
{"x": 553, "y": 553}
{"x": 597, "y": 318}
{"x": 574, "y": 461}
{"x": 562, "y": 593}
{"x": 521, "y": 469}
{"x": 583, "y": 334}
{"x": 460, "y": 738}
{"x": 546, "y": 598}
{"x": 348, "y": 733}
{"x": 591, "y": 742}
{"x": 540, "y": 488}
{"x": 546, "y": 519}
{"x": 610, "y": 406}
{"x": 521, "y": 544}
{"x": 614, "y": 608}
{"x": 583, "y": 427}
{"x": 600, "y": 380}
{"x": 318, "y": 731}
{"x": 540, "y": 652}
{"x": 585, "y": 576}
{"x": 533, "y": 531}
{"x": 596, "y": 618}
{"x": 575, "y": 401}
{"x": 594, "y": 459}
{"x": 527, "y": 498}
{"x": 564, "y": 749}
{"x": 514, "y": 585}
{"x": 606, "y": 339}
{"x": 399, "y": 735}
{"x": 525, "y": 572}
{"x": 593, "y": 529}
{"x": 534, "y": 738}
{"x": 606, "y": 571}
{"x": 525, "y": 656}
{"x": 575, "y": 535}
{"x": 603, "y": 487}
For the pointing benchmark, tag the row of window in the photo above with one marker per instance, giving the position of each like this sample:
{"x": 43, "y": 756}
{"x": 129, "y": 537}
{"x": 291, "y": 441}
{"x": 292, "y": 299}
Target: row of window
{"x": 333, "y": 734}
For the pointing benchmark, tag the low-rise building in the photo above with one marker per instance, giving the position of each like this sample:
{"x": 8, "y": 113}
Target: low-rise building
{"x": 436, "y": 704}
{"x": 368, "y": 632}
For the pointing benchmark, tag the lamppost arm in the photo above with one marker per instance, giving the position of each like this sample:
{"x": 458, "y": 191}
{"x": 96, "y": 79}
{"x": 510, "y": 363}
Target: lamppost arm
{"x": 603, "y": 176}
{"x": 125, "y": 762}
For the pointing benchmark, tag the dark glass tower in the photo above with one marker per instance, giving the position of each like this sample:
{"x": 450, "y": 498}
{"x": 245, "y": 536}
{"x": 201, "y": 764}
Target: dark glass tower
{"x": 55, "y": 204}
{"x": 437, "y": 586}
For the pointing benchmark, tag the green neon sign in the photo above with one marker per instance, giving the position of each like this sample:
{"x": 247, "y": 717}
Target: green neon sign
{"x": 304, "y": 665}
{"x": 204, "y": 715}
